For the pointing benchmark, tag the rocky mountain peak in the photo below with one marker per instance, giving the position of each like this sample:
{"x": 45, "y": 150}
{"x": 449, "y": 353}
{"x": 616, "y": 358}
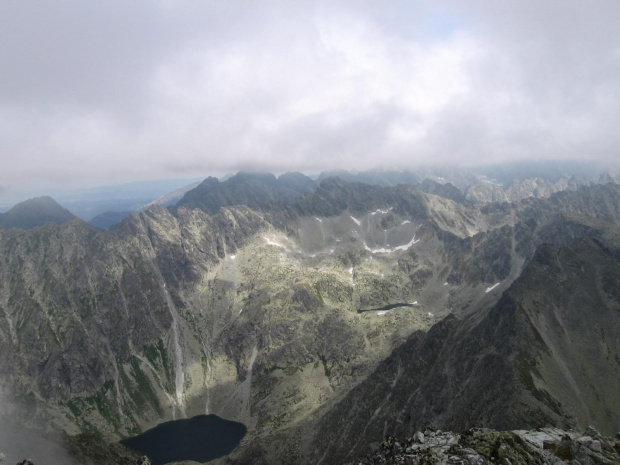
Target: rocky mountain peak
{"x": 255, "y": 190}
{"x": 35, "y": 212}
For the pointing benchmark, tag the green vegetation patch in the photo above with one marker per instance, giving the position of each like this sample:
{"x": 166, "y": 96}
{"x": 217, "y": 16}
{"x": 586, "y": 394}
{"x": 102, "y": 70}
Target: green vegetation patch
{"x": 327, "y": 369}
{"x": 156, "y": 354}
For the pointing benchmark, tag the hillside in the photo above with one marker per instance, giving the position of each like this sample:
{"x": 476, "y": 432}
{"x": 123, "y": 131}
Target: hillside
{"x": 275, "y": 316}
{"x": 546, "y": 354}
{"x": 35, "y": 212}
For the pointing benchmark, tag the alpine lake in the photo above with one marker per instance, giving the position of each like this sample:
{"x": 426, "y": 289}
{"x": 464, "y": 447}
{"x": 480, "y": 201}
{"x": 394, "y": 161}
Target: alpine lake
{"x": 200, "y": 438}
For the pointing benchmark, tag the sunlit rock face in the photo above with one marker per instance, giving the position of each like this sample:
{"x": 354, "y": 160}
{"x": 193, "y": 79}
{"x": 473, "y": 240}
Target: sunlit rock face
{"x": 487, "y": 191}
{"x": 542, "y": 355}
{"x": 253, "y": 314}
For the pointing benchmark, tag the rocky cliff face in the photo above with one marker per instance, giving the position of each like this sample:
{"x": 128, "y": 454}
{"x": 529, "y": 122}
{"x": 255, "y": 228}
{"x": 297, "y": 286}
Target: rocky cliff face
{"x": 487, "y": 192}
{"x": 272, "y": 317}
{"x": 91, "y": 319}
{"x": 542, "y": 355}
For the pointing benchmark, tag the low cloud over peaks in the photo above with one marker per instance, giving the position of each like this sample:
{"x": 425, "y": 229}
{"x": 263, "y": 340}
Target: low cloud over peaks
{"x": 106, "y": 92}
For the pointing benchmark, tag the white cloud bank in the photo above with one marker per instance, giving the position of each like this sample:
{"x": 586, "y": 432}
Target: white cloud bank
{"x": 96, "y": 92}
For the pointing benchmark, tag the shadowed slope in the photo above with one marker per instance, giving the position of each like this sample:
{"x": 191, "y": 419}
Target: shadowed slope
{"x": 546, "y": 353}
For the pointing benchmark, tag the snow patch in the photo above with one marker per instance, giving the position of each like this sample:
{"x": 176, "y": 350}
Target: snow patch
{"x": 408, "y": 245}
{"x": 414, "y": 303}
{"x": 382, "y": 312}
{"x": 358, "y": 222}
{"x": 394, "y": 249}
{"x": 489, "y": 289}
{"x": 271, "y": 240}
{"x": 445, "y": 284}
{"x": 383, "y": 212}
{"x": 381, "y": 250}
{"x": 406, "y": 222}
{"x": 318, "y": 219}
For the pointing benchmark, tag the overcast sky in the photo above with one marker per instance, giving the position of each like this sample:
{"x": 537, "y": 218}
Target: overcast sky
{"x": 99, "y": 92}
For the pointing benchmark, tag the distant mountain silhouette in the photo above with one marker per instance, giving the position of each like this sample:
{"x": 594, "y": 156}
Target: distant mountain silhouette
{"x": 374, "y": 177}
{"x": 255, "y": 190}
{"x": 35, "y": 212}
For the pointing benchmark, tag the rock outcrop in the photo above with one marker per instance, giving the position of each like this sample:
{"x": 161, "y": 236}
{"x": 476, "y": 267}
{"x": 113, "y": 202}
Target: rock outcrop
{"x": 481, "y": 446}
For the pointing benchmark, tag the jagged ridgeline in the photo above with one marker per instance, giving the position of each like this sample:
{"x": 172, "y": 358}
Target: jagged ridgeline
{"x": 503, "y": 315}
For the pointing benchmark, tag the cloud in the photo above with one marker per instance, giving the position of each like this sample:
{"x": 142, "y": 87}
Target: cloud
{"x": 112, "y": 91}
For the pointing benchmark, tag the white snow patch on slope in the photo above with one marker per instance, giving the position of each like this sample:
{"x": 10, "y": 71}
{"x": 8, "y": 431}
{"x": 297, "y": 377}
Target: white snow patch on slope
{"x": 378, "y": 250}
{"x": 406, "y": 222}
{"x": 489, "y": 289}
{"x": 318, "y": 219}
{"x": 271, "y": 240}
{"x": 382, "y": 312}
{"x": 358, "y": 222}
{"x": 381, "y": 211}
{"x": 408, "y": 245}
{"x": 393, "y": 249}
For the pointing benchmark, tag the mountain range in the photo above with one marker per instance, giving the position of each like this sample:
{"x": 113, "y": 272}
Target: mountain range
{"x": 324, "y": 315}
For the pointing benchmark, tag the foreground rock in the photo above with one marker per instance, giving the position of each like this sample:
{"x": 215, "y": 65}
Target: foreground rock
{"x": 481, "y": 446}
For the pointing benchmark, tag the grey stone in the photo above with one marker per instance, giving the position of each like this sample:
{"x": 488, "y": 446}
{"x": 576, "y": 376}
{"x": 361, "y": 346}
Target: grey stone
{"x": 585, "y": 441}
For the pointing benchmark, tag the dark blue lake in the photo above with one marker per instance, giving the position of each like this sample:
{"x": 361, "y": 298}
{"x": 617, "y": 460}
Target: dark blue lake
{"x": 201, "y": 438}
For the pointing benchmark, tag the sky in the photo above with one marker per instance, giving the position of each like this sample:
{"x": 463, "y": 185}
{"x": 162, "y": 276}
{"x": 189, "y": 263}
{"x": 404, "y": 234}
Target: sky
{"x": 104, "y": 92}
